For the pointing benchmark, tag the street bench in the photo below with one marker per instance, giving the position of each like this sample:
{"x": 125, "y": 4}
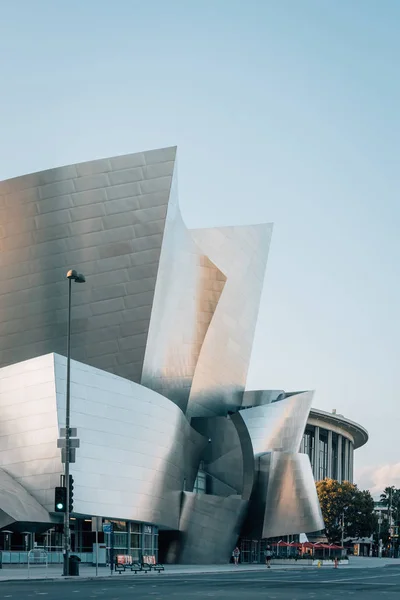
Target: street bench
{"x": 125, "y": 562}
{"x": 150, "y": 562}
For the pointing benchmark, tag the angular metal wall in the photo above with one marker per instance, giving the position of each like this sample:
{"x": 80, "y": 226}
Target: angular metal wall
{"x": 18, "y": 506}
{"x": 280, "y": 425}
{"x": 220, "y": 377}
{"x": 105, "y": 217}
{"x": 136, "y": 447}
{"x": 187, "y": 292}
{"x": 209, "y": 528}
{"x": 284, "y": 498}
{"x": 291, "y": 504}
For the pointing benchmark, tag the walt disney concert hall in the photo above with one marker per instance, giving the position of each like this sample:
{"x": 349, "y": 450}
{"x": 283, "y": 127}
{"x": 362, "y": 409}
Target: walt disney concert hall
{"x": 174, "y": 453}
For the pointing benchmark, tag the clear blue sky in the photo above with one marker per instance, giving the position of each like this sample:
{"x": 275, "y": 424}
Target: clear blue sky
{"x": 284, "y": 111}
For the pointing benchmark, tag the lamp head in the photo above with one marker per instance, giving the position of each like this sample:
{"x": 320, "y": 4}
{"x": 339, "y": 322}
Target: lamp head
{"x": 77, "y": 277}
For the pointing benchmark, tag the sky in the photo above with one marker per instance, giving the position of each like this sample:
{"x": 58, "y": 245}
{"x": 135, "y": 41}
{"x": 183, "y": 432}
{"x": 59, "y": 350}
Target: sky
{"x": 283, "y": 111}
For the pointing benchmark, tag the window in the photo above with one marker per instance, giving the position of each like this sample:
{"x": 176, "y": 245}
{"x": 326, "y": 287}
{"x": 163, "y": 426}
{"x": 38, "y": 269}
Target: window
{"x": 200, "y": 485}
{"x": 343, "y": 460}
{"x": 323, "y": 454}
{"x": 349, "y": 463}
{"x": 120, "y": 540}
{"x": 135, "y": 542}
{"x": 334, "y": 455}
{"x": 309, "y": 438}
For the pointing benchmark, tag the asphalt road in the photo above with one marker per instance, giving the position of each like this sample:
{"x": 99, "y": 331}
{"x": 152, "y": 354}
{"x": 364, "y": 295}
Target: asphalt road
{"x": 279, "y": 585}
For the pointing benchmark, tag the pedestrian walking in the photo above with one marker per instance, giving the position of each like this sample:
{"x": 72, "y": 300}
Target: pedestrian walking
{"x": 268, "y": 555}
{"x": 236, "y": 554}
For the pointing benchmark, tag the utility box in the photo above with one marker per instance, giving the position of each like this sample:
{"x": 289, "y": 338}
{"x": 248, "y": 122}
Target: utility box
{"x": 101, "y": 550}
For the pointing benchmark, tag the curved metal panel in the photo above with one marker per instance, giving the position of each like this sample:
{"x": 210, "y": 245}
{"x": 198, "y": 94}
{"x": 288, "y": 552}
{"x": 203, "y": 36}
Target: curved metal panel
{"x": 228, "y": 457}
{"x": 105, "y": 217}
{"x": 187, "y": 292}
{"x": 247, "y": 455}
{"x": 209, "y": 528}
{"x": 16, "y": 504}
{"x": 221, "y": 371}
{"x": 292, "y": 504}
{"x": 284, "y": 499}
{"x": 136, "y": 447}
{"x": 280, "y": 425}
{"x": 253, "y": 398}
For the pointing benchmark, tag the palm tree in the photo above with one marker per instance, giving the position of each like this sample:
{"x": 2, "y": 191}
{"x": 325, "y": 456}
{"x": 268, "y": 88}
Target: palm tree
{"x": 391, "y": 498}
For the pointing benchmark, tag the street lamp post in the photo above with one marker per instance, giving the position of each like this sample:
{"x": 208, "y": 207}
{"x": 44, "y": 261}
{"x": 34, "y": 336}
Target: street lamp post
{"x": 72, "y": 275}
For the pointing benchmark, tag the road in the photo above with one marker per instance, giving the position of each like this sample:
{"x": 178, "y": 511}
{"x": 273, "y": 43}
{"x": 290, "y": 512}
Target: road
{"x": 269, "y": 585}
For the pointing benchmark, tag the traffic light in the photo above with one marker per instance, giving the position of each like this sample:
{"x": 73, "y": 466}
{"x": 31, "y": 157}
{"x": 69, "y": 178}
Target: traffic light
{"x": 71, "y": 493}
{"x": 60, "y": 499}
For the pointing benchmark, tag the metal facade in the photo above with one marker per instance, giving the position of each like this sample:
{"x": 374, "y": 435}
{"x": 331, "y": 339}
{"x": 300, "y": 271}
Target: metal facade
{"x": 163, "y": 332}
{"x": 108, "y": 217}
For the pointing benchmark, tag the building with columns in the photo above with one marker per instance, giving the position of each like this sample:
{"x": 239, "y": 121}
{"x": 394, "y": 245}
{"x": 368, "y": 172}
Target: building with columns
{"x": 329, "y": 441}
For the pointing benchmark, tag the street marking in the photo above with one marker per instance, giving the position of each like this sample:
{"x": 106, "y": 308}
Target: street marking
{"x": 354, "y": 579}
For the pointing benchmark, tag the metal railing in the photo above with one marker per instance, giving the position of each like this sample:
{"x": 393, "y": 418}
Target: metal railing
{"x": 14, "y": 558}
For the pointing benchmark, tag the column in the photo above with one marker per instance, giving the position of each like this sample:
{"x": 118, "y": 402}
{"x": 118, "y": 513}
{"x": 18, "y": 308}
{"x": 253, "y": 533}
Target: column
{"x": 316, "y": 454}
{"x": 351, "y": 462}
{"x": 339, "y": 458}
{"x": 330, "y": 457}
{"x": 346, "y": 460}
{"x": 302, "y": 446}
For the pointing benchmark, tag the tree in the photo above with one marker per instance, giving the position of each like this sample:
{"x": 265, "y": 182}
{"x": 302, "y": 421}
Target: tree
{"x": 390, "y": 497}
{"x": 345, "y": 502}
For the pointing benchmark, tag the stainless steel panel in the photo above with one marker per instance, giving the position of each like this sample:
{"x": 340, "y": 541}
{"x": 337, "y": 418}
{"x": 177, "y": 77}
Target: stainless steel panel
{"x": 16, "y": 504}
{"x": 280, "y": 425}
{"x": 82, "y": 215}
{"x": 259, "y": 397}
{"x": 136, "y": 446}
{"x": 187, "y": 292}
{"x": 209, "y": 529}
{"x": 228, "y": 457}
{"x": 220, "y": 377}
{"x": 284, "y": 499}
{"x": 292, "y": 504}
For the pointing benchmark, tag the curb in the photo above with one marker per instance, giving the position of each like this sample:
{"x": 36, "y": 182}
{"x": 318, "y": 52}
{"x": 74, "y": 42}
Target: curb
{"x": 129, "y": 576}
{"x": 135, "y": 576}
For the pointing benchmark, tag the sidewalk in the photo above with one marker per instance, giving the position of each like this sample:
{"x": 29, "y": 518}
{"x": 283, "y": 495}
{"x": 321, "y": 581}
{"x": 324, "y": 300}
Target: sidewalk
{"x": 53, "y": 572}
